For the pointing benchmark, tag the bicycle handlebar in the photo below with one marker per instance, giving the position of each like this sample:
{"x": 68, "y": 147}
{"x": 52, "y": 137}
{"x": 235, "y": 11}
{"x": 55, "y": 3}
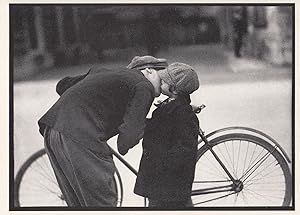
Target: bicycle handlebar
{"x": 198, "y": 109}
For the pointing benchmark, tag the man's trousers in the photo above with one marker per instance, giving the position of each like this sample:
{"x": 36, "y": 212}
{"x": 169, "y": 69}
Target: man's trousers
{"x": 85, "y": 178}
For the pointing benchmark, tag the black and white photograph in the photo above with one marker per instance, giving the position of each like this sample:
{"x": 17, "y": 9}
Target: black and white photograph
{"x": 152, "y": 107}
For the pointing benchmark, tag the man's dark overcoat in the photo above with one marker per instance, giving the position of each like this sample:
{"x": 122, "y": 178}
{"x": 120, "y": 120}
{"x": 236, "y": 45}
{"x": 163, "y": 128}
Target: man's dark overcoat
{"x": 100, "y": 104}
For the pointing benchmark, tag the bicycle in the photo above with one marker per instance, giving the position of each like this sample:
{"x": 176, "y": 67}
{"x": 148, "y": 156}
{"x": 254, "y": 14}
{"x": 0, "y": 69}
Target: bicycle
{"x": 236, "y": 166}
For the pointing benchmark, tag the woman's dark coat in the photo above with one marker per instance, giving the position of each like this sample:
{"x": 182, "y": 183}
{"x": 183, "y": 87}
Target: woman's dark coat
{"x": 170, "y": 141}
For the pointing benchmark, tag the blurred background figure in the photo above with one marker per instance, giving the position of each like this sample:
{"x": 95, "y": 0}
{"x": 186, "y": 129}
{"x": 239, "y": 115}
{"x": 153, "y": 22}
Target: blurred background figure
{"x": 152, "y": 33}
{"x": 240, "y": 26}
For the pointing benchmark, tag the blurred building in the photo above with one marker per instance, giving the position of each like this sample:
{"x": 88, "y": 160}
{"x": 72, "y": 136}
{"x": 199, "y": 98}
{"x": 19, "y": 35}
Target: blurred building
{"x": 49, "y": 35}
{"x": 269, "y": 32}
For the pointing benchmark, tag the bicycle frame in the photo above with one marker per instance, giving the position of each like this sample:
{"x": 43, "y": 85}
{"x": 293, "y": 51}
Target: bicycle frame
{"x": 120, "y": 158}
{"x": 236, "y": 185}
{"x": 233, "y": 187}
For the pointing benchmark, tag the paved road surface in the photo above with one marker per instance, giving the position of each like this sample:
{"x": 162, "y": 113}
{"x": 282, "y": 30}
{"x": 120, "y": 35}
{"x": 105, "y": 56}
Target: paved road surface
{"x": 240, "y": 92}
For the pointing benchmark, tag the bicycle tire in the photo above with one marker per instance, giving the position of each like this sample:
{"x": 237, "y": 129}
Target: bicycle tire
{"x": 40, "y": 165}
{"x": 275, "y": 180}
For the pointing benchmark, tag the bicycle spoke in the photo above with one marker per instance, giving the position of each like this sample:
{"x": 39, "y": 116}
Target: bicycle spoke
{"x": 270, "y": 198}
{"x": 235, "y": 198}
{"x": 224, "y": 159}
{"x": 271, "y": 170}
{"x": 246, "y": 157}
{"x": 258, "y": 173}
{"x": 221, "y": 173}
{"x": 41, "y": 171}
{"x": 264, "y": 189}
{"x": 233, "y": 159}
{"x": 213, "y": 199}
{"x": 213, "y": 174}
{"x": 244, "y": 197}
{"x": 46, "y": 162}
{"x": 35, "y": 189}
{"x": 255, "y": 161}
{"x": 229, "y": 156}
{"x": 252, "y": 161}
{"x": 257, "y": 181}
{"x": 257, "y": 165}
{"x": 238, "y": 161}
{"x": 38, "y": 183}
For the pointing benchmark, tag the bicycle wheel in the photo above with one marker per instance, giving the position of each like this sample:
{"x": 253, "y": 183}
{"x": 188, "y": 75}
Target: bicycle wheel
{"x": 36, "y": 186}
{"x": 261, "y": 172}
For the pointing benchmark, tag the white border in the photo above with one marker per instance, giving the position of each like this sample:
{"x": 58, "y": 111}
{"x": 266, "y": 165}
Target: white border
{"x": 4, "y": 115}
